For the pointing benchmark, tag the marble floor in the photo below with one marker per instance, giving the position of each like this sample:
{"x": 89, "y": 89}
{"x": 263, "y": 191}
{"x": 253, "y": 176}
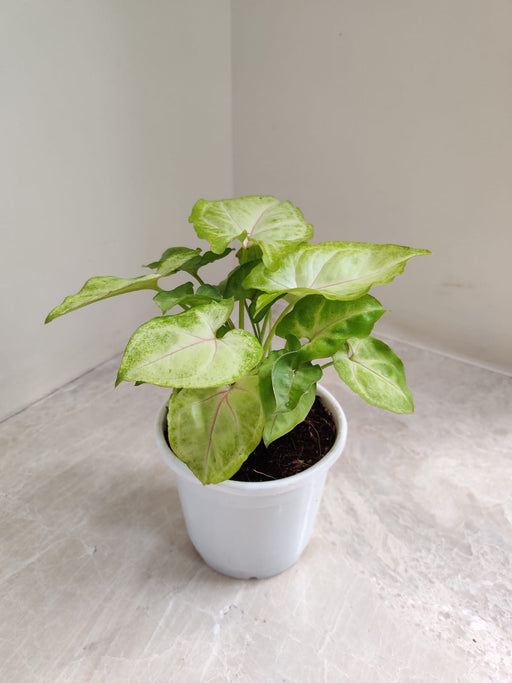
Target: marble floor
{"x": 408, "y": 577}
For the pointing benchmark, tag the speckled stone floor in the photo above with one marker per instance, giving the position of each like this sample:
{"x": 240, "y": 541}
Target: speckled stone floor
{"x": 408, "y": 577}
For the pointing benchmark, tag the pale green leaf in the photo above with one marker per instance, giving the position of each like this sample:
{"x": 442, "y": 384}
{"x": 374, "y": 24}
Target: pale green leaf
{"x": 336, "y": 270}
{"x": 276, "y": 227}
{"x": 183, "y": 350}
{"x": 214, "y": 430}
{"x": 374, "y": 371}
{"x": 103, "y": 287}
{"x": 326, "y": 323}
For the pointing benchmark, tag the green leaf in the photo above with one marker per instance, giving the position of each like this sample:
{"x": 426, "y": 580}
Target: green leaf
{"x": 210, "y": 291}
{"x": 276, "y": 227}
{"x": 173, "y": 259}
{"x": 336, "y": 270}
{"x": 291, "y": 379}
{"x": 205, "y": 259}
{"x": 103, "y": 287}
{"x": 287, "y": 390}
{"x": 249, "y": 254}
{"x": 374, "y": 371}
{"x": 183, "y": 350}
{"x": 233, "y": 286}
{"x": 168, "y": 299}
{"x": 260, "y": 307}
{"x": 204, "y": 295}
{"x": 214, "y": 430}
{"x": 292, "y": 343}
{"x": 184, "y": 295}
{"x": 280, "y": 423}
{"x": 326, "y": 323}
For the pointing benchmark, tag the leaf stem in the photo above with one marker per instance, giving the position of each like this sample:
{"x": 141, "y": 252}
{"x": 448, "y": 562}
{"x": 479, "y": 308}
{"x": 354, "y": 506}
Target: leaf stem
{"x": 327, "y": 365}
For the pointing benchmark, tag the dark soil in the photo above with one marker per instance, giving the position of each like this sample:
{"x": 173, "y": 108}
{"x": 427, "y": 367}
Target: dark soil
{"x": 294, "y": 452}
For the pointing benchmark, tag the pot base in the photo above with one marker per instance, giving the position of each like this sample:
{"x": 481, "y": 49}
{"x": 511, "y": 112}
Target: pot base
{"x": 250, "y": 537}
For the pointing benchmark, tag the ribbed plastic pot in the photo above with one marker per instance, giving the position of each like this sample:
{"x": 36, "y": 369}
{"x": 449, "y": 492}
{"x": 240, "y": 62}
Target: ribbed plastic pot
{"x": 253, "y": 530}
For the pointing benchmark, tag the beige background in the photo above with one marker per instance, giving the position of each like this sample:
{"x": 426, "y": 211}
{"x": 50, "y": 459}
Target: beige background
{"x": 116, "y": 116}
{"x": 391, "y": 122}
{"x": 387, "y": 122}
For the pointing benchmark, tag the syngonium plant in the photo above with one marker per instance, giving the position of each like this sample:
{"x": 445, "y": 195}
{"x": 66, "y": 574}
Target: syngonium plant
{"x": 231, "y": 388}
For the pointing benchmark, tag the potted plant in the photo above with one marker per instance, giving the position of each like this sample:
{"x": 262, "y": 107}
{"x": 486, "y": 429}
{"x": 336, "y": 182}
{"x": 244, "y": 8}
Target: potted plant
{"x": 234, "y": 389}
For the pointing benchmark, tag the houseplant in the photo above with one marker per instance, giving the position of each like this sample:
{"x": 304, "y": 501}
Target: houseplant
{"x": 231, "y": 387}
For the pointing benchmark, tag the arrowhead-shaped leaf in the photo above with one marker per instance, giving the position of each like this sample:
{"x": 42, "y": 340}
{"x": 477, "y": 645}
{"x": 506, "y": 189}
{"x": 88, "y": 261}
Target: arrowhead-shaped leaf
{"x": 326, "y": 323}
{"x": 291, "y": 379}
{"x": 166, "y": 300}
{"x": 183, "y": 350}
{"x": 287, "y": 390}
{"x": 184, "y": 295}
{"x": 178, "y": 258}
{"x": 374, "y": 371}
{"x": 104, "y": 287}
{"x": 280, "y": 423}
{"x": 336, "y": 270}
{"x": 233, "y": 286}
{"x": 173, "y": 259}
{"x": 276, "y": 227}
{"x": 204, "y": 295}
{"x": 98, "y": 288}
{"x": 264, "y": 302}
{"x": 198, "y": 262}
{"x": 214, "y": 430}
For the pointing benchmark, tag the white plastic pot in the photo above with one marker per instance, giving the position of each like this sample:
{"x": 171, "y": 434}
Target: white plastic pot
{"x": 253, "y": 530}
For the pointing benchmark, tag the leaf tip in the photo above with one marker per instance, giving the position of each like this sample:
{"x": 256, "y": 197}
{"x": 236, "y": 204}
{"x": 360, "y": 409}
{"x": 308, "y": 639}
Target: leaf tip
{"x": 55, "y": 313}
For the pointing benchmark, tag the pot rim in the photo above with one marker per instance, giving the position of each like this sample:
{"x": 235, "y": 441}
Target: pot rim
{"x": 262, "y": 487}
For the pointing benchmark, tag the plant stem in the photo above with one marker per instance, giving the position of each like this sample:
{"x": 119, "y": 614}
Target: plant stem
{"x": 327, "y": 365}
{"x": 241, "y": 311}
{"x": 268, "y": 342}
{"x": 255, "y": 327}
{"x": 265, "y": 323}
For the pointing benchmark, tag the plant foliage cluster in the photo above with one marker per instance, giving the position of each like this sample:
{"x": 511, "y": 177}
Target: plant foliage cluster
{"x": 214, "y": 343}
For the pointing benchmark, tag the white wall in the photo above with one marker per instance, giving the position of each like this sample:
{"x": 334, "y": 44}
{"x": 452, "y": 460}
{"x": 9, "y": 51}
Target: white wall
{"x": 391, "y": 122}
{"x": 116, "y": 117}
{"x": 382, "y": 121}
